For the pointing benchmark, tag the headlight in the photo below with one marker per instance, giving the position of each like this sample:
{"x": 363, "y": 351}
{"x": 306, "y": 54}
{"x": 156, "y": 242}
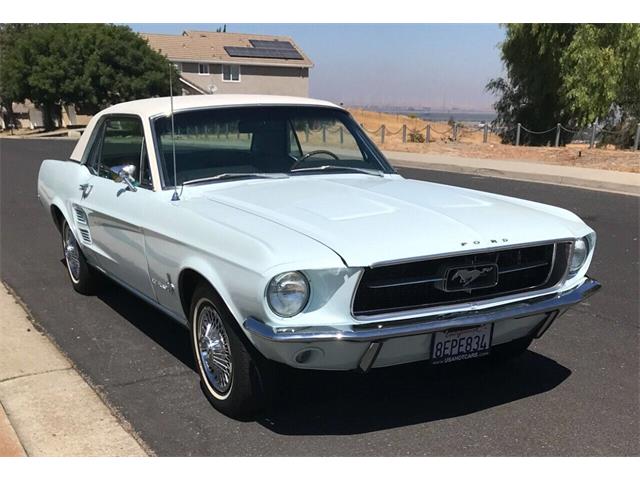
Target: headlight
{"x": 288, "y": 293}
{"x": 579, "y": 254}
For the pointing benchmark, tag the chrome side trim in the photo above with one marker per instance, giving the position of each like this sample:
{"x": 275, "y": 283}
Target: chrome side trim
{"x": 378, "y": 332}
{"x": 142, "y": 296}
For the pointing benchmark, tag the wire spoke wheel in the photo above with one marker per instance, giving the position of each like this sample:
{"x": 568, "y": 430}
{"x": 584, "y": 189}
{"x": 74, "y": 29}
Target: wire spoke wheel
{"x": 214, "y": 349}
{"x": 71, "y": 254}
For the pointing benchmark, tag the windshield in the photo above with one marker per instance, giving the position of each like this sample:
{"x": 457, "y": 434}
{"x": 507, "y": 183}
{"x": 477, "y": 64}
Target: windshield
{"x": 260, "y": 141}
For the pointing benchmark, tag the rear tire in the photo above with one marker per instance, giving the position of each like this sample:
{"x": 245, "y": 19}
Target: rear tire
{"x": 230, "y": 370}
{"x": 82, "y": 276}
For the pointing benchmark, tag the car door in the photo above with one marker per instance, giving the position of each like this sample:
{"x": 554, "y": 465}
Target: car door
{"x": 114, "y": 212}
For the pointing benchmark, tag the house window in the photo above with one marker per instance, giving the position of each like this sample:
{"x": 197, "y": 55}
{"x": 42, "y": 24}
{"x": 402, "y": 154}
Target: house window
{"x": 203, "y": 68}
{"x": 178, "y": 66}
{"x": 230, "y": 73}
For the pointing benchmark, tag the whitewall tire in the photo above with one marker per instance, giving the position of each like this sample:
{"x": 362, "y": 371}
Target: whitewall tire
{"x": 228, "y": 365}
{"x": 82, "y": 276}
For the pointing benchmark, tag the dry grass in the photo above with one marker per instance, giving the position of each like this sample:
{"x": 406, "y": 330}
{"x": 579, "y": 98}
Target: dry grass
{"x": 470, "y": 145}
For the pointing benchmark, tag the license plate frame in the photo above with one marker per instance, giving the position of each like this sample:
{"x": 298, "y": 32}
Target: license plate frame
{"x": 457, "y": 339}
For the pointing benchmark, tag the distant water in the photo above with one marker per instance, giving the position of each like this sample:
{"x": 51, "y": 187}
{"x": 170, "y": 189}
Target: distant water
{"x": 458, "y": 116}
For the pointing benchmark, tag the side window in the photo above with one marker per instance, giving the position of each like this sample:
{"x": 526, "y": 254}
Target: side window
{"x": 123, "y": 144}
{"x": 93, "y": 159}
{"x": 145, "y": 171}
{"x": 294, "y": 146}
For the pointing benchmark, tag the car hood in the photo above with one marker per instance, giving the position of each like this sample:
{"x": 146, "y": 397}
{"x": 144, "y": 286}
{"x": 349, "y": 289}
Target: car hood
{"x": 369, "y": 220}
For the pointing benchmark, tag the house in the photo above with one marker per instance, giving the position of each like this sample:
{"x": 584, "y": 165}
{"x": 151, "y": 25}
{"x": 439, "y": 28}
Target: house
{"x": 221, "y": 62}
{"x": 27, "y": 116}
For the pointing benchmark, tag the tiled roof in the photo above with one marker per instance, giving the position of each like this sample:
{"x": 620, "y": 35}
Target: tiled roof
{"x": 200, "y": 46}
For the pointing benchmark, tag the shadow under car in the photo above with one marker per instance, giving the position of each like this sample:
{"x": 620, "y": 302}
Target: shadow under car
{"x": 308, "y": 402}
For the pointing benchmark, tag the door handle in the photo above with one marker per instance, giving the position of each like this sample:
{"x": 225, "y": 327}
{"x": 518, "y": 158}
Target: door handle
{"x": 86, "y": 189}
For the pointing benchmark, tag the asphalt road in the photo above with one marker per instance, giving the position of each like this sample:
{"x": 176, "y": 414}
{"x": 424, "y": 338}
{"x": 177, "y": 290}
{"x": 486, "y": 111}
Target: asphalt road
{"x": 574, "y": 393}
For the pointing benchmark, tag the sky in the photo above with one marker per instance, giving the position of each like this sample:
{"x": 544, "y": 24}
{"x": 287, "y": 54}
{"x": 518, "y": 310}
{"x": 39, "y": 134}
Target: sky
{"x": 441, "y": 66}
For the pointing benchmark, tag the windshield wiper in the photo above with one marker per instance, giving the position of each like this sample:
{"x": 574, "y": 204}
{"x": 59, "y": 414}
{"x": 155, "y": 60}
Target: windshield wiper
{"x": 226, "y": 176}
{"x": 366, "y": 171}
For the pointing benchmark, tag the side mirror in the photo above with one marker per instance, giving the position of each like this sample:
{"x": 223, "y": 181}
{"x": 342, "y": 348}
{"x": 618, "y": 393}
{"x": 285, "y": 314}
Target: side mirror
{"x": 125, "y": 174}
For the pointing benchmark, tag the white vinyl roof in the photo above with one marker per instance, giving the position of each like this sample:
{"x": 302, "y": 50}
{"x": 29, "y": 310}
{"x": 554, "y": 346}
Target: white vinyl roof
{"x": 162, "y": 105}
{"x": 152, "y": 107}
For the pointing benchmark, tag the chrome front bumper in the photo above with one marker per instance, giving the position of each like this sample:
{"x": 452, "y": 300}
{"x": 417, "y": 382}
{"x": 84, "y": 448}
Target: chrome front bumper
{"x": 361, "y": 346}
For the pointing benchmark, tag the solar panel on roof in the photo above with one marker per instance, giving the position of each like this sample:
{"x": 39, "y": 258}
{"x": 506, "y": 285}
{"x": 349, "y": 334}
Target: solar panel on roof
{"x": 281, "y": 53}
{"x": 272, "y": 44}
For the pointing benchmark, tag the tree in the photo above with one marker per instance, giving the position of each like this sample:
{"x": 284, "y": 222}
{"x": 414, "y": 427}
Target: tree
{"x": 530, "y": 93}
{"x": 9, "y": 85}
{"x": 90, "y": 66}
{"x": 601, "y": 73}
{"x": 571, "y": 74}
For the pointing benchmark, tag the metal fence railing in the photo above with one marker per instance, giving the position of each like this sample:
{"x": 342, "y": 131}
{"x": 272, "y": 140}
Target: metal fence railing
{"x": 591, "y": 135}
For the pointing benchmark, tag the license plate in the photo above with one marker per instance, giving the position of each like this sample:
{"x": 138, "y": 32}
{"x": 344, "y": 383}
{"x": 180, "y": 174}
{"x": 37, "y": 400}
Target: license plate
{"x": 455, "y": 345}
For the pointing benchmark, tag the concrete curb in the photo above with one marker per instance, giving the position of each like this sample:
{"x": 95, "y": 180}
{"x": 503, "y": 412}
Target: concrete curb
{"x": 51, "y": 408}
{"x": 10, "y": 446}
{"x": 33, "y": 137}
{"x": 592, "y": 179}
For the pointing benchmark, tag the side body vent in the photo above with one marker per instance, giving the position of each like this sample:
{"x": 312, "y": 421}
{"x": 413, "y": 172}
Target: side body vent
{"x": 83, "y": 224}
{"x": 81, "y": 217}
{"x": 86, "y": 236}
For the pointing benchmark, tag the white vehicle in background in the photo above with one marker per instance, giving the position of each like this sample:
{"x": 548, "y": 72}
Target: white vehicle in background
{"x": 275, "y": 230}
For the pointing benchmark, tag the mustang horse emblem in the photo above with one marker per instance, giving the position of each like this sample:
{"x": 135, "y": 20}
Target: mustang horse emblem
{"x": 467, "y": 276}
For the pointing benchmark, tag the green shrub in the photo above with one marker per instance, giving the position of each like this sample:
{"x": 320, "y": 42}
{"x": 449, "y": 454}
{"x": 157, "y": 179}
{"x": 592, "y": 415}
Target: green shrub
{"x": 415, "y": 137}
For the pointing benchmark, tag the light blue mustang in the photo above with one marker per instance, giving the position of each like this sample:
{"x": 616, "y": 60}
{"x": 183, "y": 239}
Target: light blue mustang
{"x": 276, "y": 231}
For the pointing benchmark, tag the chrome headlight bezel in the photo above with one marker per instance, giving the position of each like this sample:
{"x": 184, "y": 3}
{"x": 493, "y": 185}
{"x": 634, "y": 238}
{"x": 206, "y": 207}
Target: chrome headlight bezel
{"x": 580, "y": 253}
{"x": 288, "y": 293}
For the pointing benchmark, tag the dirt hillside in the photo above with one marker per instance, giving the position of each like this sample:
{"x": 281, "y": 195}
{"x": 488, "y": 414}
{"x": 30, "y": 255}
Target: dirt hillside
{"x": 470, "y": 144}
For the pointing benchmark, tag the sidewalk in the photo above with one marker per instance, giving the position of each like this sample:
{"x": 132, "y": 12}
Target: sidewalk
{"x": 46, "y": 407}
{"x": 590, "y": 178}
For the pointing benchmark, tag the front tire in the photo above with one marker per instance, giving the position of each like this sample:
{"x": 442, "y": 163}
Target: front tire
{"x": 229, "y": 374}
{"x": 82, "y": 277}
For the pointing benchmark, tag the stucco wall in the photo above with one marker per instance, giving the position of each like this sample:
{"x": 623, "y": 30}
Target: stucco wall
{"x": 254, "y": 79}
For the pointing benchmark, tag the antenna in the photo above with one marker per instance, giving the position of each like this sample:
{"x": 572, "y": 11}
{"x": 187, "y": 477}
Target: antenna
{"x": 175, "y": 196}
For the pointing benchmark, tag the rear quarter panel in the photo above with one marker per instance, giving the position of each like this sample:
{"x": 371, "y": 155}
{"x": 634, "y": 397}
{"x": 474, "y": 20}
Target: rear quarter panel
{"x": 56, "y": 180}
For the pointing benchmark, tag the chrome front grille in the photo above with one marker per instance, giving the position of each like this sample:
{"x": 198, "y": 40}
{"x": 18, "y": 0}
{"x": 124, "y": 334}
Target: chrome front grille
{"x": 441, "y": 281}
